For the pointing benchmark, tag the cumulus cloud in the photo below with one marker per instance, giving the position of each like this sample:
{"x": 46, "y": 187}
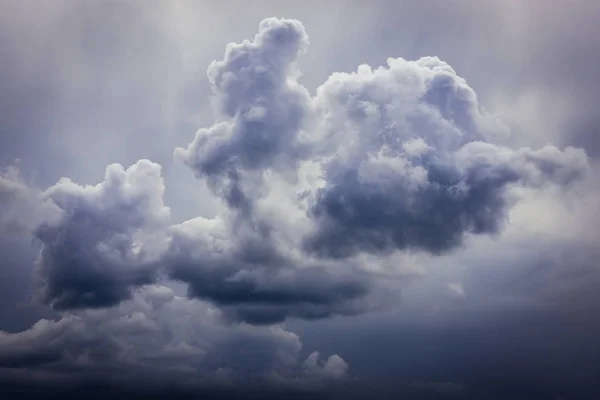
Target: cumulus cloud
{"x": 411, "y": 163}
{"x": 392, "y": 159}
{"x": 261, "y": 108}
{"x": 334, "y": 367}
{"x": 107, "y": 240}
{"x": 258, "y": 282}
{"x": 319, "y": 191}
{"x": 320, "y": 194}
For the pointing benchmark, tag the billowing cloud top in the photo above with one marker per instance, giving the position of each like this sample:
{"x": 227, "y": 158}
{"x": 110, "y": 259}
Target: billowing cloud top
{"x": 107, "y": 239}
{"x": 392, "y": 159}
{"x": 261, "y": 108}
{"x": 409, "y": 163}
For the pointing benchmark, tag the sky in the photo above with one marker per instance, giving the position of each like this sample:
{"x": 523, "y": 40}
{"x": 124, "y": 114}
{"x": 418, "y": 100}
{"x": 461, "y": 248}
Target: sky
{"x": 340, "y": 199}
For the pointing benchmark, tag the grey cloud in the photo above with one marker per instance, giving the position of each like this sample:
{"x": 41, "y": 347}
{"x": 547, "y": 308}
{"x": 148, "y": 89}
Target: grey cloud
{"x": 83, "y": 75}
{"x": 163, "y": 337}
{"x": 263, "y": 106}
{"x": 115, "y": 96}
{"x": 107, "y": 240}
{"x": 22, "y": 207}
{"x": 255, "y": 282}
{"x": 414, "y": 165}
{"x": 334, "y": 366}
{"x": 523, "y": 323}
{"x": 405, "y": 160}
{"x": 237, "y": 262}
{"x": 17, "y": 311}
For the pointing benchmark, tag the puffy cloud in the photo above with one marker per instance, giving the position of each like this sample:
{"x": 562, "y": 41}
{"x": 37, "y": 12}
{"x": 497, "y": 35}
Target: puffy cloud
{"x": 261, "y": 105}
{"x": 262, "y": 259}
{"x": 410, "y": 162}
{"x": 22, "y": 209}
{"x": 333, "y": 368}
{"x": 379, "y": 161}
{"x": 320, "y": 191}
{"x": 156, "y": 334}
{"x": 107, "y": 240}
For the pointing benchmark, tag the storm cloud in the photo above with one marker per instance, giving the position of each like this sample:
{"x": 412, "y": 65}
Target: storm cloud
{"x": 423, "y": 223}
{"x": 107, "y": 239}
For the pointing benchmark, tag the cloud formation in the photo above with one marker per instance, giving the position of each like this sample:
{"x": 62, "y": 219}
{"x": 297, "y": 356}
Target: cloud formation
{"x": 318, "y": 191}
{"x": 397, "y": 158}
{"x": 157, "y": 335}
{"x": 261, "y": 108}
{"x": 22, "y": 208}
{"x": 411, "y": 162}
{"x": 323, "y": 196}
{"x": 107, "y": 240}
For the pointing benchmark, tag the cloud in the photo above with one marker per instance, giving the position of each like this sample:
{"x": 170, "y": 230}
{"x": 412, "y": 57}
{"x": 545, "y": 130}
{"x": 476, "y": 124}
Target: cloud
{"x": 319, "y": 191}
{"x": 324, "y": 194}
{"x": 256, "y": 281}
{"x": 22, "y": 207}
{"x": 262, "y": 107}
{"x": 107, "y": 240}
{"x": 514, "y": 310}
{"x": 334, "y": 367}
{"x": 394, "y": 159}
{"x": 411, "y": 162}
{"x": 156, "y": 336}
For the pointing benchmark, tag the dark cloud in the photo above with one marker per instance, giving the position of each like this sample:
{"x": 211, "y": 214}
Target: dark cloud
{"x": 105, "y": 242}
{"x": 23, "y": 207}
{"x": 396, "y": 158}
{"x": 505, "y": 317}
{"x": 17, "y": 311}
{"x": 415, "y": 165}
{"x": 255, "y": 282}
{"x": 168, "y": 339}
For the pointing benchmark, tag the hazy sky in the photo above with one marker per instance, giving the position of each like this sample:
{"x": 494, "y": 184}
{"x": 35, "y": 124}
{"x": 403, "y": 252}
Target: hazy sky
{"x": 331, "y": 199}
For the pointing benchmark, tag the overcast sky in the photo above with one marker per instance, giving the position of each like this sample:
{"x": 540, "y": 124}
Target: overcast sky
{"x": 330, "y": 199}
